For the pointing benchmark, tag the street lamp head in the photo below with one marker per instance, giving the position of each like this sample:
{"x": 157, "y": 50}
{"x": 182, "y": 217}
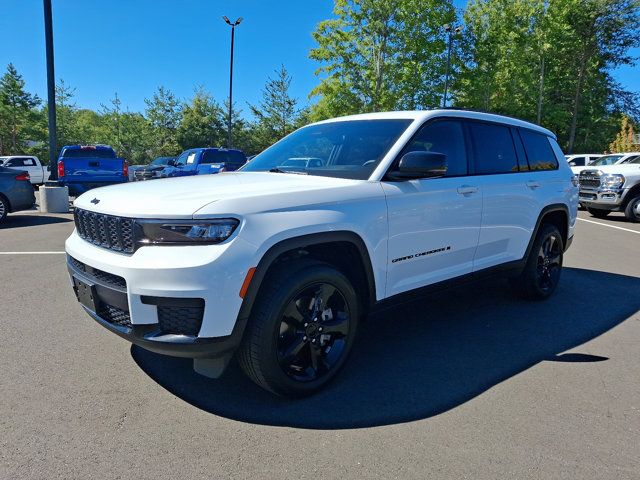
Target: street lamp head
{"x": 226, "y": 19}
{"x": 458, "y": 29}
{"x": 447, "y": 27}
{"x": 238, "y": 21}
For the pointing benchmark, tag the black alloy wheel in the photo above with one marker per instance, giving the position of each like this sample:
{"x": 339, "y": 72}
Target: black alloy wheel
{"x": 313, "y": 332}
{"x": 549, "y": 263}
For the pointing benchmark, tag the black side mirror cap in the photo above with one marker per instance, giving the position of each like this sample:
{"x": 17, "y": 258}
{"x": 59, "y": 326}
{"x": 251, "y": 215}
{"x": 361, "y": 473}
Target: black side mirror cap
{"x": 420, "y": 165}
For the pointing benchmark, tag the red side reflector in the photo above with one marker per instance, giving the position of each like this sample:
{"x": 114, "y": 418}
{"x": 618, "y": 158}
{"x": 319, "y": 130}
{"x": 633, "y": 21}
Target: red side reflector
{"x": 125, "y": 169}
{"x": 60, "y": 169}
{"x": 247, "y": 282}
{"x": 23, "y": 177}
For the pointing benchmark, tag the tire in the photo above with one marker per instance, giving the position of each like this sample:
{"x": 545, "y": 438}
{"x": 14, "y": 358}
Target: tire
{"x": 598, "y": 213}
{"x": 542, "y": 270}
{"x": 4, "y": 208}
{"x": 632, "y": 211}
{"x": 292, "y": 346}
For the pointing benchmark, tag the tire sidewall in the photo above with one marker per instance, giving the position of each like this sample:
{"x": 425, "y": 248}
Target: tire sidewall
{"x": 3, "y": 216}
{"x": 297, "y": 282}
{"x": 532, "y": 263}
{"x": 629, "y": 211}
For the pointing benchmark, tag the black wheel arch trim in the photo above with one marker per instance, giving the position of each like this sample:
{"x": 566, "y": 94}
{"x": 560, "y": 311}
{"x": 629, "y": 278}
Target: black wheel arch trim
{"x": 303, "y": 241}
{"x": 555, "y": 207}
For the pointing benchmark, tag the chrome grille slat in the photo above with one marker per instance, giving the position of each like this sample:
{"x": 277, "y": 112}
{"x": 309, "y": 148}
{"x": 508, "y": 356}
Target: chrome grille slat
{"x": 589, "y": 179}
{"x": 106, "y": 231}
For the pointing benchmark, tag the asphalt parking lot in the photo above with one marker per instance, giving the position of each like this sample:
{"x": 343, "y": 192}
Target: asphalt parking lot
{"x": 468, "y": 384}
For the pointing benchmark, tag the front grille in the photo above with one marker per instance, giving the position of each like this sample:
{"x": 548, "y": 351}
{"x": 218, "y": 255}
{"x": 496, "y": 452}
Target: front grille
{"x": 100, "y": 276}
{"x": 180, "y": 320}
{"x": 114, "y": 315}
{"x": 589, "y": 179}
{"x": 106, "y": 231}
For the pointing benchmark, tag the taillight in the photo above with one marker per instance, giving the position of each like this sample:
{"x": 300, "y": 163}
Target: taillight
{"x": 24, "y": 177}
{"x": 125, "y": 169}
{"x": 60, "y": 169}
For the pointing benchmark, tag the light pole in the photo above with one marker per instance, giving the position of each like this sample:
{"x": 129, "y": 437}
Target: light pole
{"x": 51, "y": 90}
{"x": 233, "y": 30}
{"x": 450, "y": 31}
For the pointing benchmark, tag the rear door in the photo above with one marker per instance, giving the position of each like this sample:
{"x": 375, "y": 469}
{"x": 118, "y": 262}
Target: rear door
{"x": 434, "y": 223}
{"x": 509, "y": 211}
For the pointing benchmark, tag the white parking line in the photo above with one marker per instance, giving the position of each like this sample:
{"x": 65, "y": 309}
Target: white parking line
{"x": 32, "y": 253}
{"x": 610, "y": 226}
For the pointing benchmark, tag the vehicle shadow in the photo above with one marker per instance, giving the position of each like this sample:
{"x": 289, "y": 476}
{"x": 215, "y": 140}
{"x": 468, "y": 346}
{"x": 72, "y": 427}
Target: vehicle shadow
{"x": 424, "y": 358}
{"x": 31, "y": 220}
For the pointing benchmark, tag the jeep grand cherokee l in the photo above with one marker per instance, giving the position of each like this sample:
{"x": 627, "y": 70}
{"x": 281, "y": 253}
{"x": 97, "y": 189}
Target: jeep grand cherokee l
{"x": 279, "y": 262}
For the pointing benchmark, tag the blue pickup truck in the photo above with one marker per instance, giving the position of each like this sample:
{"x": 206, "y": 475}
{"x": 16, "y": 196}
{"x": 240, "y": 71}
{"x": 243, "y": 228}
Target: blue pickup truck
{"x": 203, "y": 161}
{"x": 83, "y": 167}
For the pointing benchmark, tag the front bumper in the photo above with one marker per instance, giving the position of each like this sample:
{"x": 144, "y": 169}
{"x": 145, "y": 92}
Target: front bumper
{"x": 137, "y": 288}
{"x": 602, "y": 198}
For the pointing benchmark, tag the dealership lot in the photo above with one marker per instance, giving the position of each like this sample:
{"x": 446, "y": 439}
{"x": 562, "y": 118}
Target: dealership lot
{"x": 470, "y": 383}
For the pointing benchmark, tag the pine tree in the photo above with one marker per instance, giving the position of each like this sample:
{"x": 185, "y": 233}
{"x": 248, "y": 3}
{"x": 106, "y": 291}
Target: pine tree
{"x": 17, "y": 112}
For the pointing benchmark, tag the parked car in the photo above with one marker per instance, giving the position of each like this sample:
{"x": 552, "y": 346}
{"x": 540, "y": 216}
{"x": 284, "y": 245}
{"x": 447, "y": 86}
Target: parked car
{"x": 37, "y": 172}
{"x": 280, "y": 263}
{"x": 16, "y": 192}
{"x": 83, "y": 167}
{"x": 612, "y": 159}
{"x": 582, "y": 160}
{"x": 204, "y": 161}
{"x": 612, "y": 188}
{"x": 154, "y": 169}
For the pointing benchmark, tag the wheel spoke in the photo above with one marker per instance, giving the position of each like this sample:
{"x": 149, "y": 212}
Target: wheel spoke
{"x": 324, "y": 293}
{"x": 293, "y": 314}
{"x": 292, "y": 352}
{"x": 339, "y": 326}
{"x": 554, "y": 261}
{"x": 316, "y": 357}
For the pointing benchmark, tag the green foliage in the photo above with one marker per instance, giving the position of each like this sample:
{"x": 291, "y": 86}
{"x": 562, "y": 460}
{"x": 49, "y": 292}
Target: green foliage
{"x": 625, "y": 139}
{"x": 18, "y": 113}
{"x": 164, "y": 113}
{"x": 549, "y": 61}
{"x": 277, "y": 114}
{"x": 381, "y": 55}
{"x": 202, "y": 122}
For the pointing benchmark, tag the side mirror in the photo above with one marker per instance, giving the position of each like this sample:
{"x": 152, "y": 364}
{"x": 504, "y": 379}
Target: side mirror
{"x": 420, "y": 165}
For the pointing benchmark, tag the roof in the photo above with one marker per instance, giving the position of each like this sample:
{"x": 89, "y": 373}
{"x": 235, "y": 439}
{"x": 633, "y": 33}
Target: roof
{"x": 422, "y": 115}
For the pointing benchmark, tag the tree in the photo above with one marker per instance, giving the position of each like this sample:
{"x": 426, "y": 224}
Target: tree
{"x": 65, "y": 115}
{"x": 625, "y": 139}
{"x": 17, "y": 112}
{"x": 276, "y": 114}
{"x": 549, "y": 61}
{"x": 381, "y": 55}
{"x": 202, "y": 122}
{"x": 164, "y": 113}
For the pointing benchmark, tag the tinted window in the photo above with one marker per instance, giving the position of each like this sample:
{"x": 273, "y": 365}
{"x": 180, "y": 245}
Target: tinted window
{"x": 577, "y": 162}
{"x": 493, "y": 148}
{"x": 29, "y": 162}
{"x": 88, "y": 153}
{"x": 539, "y": 152}
{"x": 237, "y": 159}
{"x": 212, "y": 156}
{"x": 15, "y": 162}
{"x": 606, "y": 160}
{"x": 346, "y": 149}
{"x": 635, "y": 160}
{"x": 443, "y": 136}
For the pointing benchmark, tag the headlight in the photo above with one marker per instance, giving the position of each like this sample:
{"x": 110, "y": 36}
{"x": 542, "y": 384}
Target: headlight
{"x": 612, "y": 181}
{"x": 186, "y": 232}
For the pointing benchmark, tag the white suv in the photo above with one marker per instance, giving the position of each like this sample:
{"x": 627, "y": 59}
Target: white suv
{"x": 280, "y": 261}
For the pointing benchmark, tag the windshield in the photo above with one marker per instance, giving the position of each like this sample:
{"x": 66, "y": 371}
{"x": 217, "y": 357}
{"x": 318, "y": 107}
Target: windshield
{"x": 606, "y": 160}
{"x": 635, "y": 160}
{"x": 344, "y": 149}
{"x": 161, "y": 161}
{"x": 186, "y": 158}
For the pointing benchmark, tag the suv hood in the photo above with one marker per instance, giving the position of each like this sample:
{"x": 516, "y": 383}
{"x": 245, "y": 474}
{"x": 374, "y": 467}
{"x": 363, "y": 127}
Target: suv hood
{"x": 624, "y": 168}
{"x": 182, "y": 197}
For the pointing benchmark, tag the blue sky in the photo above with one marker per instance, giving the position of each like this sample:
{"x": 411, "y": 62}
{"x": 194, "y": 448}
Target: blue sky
{"x": 133, "y": 46}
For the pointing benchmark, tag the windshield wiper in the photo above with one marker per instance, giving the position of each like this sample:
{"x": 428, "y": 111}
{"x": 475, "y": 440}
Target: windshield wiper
{"x": 279, "y": 170}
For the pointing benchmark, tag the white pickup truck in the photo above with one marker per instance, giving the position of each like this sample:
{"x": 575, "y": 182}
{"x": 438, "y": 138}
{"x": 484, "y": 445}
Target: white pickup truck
{"x": 280, "y": 260}
{"x": 39, "y": 173}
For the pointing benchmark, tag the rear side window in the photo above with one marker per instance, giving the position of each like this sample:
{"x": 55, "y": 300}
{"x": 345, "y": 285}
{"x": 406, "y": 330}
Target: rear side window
{"x": 236, "y": 159}
{"x": 442, "y": 136}
{"x": 578, "y": 162}
{"x": 211, "y": 156}
{"x": 88, "y": 153}
{"x": 15, "y": 162}
{"x": 493, "y": 147}
{"x": 539, "y": 152}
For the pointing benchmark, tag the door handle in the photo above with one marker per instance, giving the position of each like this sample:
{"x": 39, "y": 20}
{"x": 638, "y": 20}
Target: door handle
{"x": 533, "y": 185}
{"x": 467, "y": 189}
